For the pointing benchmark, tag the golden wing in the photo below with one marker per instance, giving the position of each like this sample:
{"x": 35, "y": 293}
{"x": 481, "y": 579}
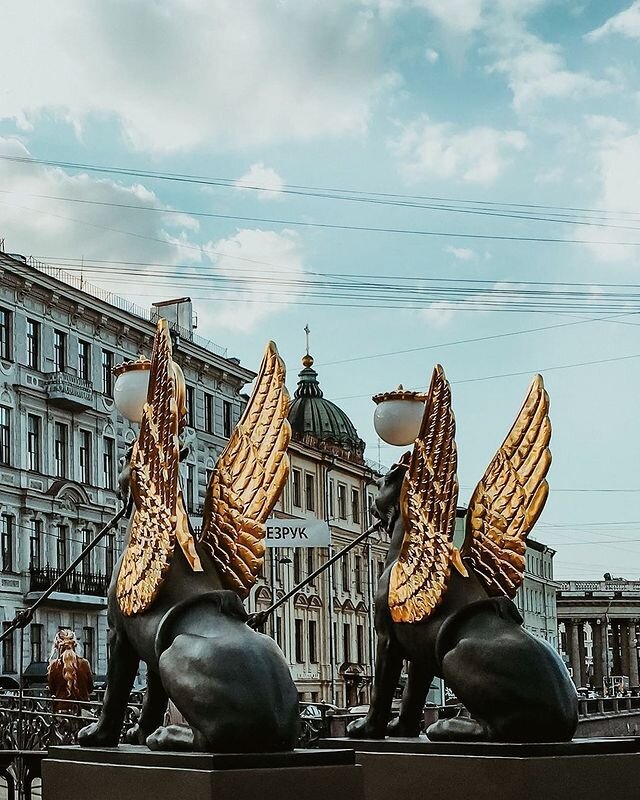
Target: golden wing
{"x": 248, "y": 479}
{"x": 510, "y": 497}
{"x": 428, "y": 501}
{"x": 154, "y": 485}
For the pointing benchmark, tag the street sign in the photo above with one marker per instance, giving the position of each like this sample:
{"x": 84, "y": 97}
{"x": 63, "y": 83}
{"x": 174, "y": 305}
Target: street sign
{"x": 297, "y": 533}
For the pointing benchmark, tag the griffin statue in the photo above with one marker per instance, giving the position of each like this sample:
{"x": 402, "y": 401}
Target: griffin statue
{"x": 449, "y": 612}
{"x": 175, "y": 600}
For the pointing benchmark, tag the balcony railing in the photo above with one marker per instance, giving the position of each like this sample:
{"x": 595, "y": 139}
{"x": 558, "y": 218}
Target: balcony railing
{"x": 69, "y": 391}
{"x": 87, "y": 583}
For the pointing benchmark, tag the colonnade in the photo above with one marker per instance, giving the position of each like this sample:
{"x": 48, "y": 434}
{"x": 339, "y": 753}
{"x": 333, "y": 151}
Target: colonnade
{"x": 613, "y": 649}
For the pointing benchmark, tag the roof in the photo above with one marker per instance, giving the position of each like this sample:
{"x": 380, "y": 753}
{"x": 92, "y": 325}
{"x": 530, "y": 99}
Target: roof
{"x": 316, "y": 419}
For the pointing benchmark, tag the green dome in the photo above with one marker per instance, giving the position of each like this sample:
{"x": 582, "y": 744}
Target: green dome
{"x": 319, "y": 422}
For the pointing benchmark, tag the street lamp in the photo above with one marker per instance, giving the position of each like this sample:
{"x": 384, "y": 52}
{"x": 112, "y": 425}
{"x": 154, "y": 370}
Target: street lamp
{"x": 131, "y": 387}
{"x": 398, "y": 415}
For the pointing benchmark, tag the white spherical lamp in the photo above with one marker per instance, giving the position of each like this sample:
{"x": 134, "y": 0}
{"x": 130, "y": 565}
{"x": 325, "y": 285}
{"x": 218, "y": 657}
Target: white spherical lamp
{"x": 131, "y": 387}
{"x": 398, "y": 416}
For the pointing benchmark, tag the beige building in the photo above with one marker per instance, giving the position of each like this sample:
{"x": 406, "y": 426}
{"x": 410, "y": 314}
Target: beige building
{"x": 326, "y": 631}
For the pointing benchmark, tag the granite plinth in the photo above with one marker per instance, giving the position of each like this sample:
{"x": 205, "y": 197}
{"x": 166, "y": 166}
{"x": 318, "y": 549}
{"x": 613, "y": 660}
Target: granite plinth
{"x": 133, "y": 773}
{"x": 588, "y": 769}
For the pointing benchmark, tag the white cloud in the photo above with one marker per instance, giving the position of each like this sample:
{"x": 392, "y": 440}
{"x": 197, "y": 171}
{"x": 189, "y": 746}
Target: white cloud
{"x": 478, "y": 154}
{"x": 267, "y": 179}
{"x": 618, "y": 170}
{"x": 176, "y": 74}
{"x": 431, "y": 55}
{"x": 536, "y": 71}
{"x": 626, "y": 23}
{"x": 261, "y": 295}
{"x": 439, "y": 313}
{"x": 33, "y": 224}
{"x": 461, "y": 253}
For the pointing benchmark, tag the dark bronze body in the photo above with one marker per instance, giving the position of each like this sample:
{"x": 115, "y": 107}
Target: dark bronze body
{"x": 514, "y": 685}
{"x": 231, "y": 683}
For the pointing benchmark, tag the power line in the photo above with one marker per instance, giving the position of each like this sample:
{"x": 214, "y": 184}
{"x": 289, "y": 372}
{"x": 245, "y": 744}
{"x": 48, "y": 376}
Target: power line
{"x": 331, "y": 226}
{"x": 306, "y": 190}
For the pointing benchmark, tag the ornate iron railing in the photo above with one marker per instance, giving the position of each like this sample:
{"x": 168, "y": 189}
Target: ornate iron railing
{"x": 88, "y": 583}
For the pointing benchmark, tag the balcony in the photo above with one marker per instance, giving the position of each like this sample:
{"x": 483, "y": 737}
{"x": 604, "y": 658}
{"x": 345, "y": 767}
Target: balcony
{"x": 86, "y": 588}
{"x": 69, "y": 391}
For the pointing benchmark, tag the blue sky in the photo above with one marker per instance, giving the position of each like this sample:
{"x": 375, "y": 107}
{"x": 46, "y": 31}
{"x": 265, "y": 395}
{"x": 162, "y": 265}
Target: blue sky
{"x": 495, "y": 101}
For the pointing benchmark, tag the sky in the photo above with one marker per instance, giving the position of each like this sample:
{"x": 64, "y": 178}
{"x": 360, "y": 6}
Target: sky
{"x": 419, "y": 181}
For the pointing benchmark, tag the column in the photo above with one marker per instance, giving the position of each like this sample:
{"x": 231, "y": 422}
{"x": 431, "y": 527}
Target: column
{"x": 584, "y": 675}
{"x": 616, "y": 661}
{"x": 625, "y": 660}
{"x": 573, "y": 643}
{"x": 634, "y": 677}
{"x": 598, "y": 627}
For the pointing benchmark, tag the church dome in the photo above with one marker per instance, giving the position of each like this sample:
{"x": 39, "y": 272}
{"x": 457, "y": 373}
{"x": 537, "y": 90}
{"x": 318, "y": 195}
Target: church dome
{"x": 320, "y": 423}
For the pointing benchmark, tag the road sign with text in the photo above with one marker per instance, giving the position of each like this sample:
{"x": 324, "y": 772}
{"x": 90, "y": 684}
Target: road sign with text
{"x": 297, "y": 533}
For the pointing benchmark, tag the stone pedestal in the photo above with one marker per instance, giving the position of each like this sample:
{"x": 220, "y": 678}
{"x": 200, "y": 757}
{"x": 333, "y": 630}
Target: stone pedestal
{"x": 589, "y": 769}
{"x": 136, "y": 773}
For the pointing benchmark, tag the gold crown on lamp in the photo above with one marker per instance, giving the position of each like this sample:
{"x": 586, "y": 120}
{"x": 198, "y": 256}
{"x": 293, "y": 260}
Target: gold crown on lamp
{"x": 398, "y": 415}
{"x": 131, "y": 387}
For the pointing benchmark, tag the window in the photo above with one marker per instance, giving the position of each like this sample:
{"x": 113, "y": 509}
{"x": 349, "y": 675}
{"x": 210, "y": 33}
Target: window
{"x": 107, "y": 374}
{"x": 60, "y": 449}
{"x": 190, "y": 487}
{"x": 360, "y": 644}
{"x": 299, "y": 643}
{"x": 8, "y": 657}
{"x": 358, "y": 574}
{"x": 59, "y": 351}
{"x": 190, "y": 402}
{"x": 62, "y": 554}
{"x": 36, "y": 642}
{"x": 380, "y": 569}
{"x": 227, "y": 418}
{"x": 84, "y": 360}
{"x": 355, "y": 506}
{"x": 108, "y": 462}
{"x": 33, "y": 442}
{"x": 85, "y": 456}
{"x": 342, "y": 501}
{"x": 369, "y": 507}
{"x": 296, "y": 567}
{"x": 33, "y": 344}
{"x": 310, "y": 561}
{"x": 332, "y": 490}
{"x": 109, "y": 553}
{"x": 345, "y": 573}
{"x": 35, "y": 545}
{"x": 313, "y": 655}
{"x": 87, "y": 644}
{"x": 346, "y": 642}
{"x": 295, "y": 488}
{"x": 5, "y": 435}
{"x": 6, "y": 530}
{"x": 310, "y": 491}
{"x": 209, "y": 413}
{"x": 5, "y": 335}
{"x": 87, "y": 561}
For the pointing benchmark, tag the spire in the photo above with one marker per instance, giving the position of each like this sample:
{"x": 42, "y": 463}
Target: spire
{"x": 307, "y": 359}
{"x": 308, "y": 385}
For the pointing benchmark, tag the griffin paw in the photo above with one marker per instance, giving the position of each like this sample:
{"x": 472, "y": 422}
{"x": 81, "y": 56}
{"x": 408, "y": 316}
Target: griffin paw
{"x": 364, "y": 729}
{"x": 96, "y": 735}
{"x": 402, "y": 729}
{"x": 135, "y": 735}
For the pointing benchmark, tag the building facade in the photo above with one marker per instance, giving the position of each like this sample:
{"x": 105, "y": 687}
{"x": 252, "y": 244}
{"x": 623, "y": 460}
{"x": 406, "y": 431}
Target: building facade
{"x": 61, "y": 440}
{"x": 326, "y": 632}
{"x": 598, "y": 630}
{"x": 536, "y": 598}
